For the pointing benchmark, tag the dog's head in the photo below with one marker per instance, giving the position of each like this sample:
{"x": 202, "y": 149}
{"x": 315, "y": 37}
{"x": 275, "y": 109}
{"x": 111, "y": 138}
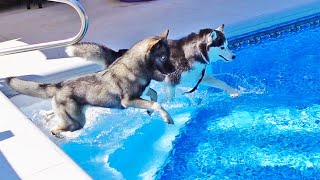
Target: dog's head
{"x": 159, "y": 54}
{"x": 215, "y": 45}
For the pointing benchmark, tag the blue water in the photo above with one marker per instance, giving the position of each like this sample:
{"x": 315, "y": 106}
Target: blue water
{"x": 270, "y": 132}
{"x": 269, "y": 135}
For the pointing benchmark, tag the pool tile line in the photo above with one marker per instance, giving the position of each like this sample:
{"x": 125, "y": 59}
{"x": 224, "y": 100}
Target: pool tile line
{"x": 275, "y": 31}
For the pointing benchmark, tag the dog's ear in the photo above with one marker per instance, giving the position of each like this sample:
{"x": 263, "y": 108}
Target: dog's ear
{"x": 164, "y": 34}
{"x": 214, "y": 35}
{"x": 220, "y": 28}
{"x": 154, "y": 44}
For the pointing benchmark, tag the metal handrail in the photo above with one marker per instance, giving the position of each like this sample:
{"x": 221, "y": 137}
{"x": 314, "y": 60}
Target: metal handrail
{"x": 54, "y": 44}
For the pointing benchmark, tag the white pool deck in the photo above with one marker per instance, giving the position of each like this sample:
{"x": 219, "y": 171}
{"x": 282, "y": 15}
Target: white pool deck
{"x": 25, "y": 152}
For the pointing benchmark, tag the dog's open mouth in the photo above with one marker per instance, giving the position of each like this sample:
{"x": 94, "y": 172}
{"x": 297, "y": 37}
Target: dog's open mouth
{"x": 224, "y": 58}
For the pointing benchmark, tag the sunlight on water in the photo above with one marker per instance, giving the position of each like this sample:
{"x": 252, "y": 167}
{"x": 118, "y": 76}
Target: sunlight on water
{"x": 277, "y": 142}
{"x": 277, "y": 125}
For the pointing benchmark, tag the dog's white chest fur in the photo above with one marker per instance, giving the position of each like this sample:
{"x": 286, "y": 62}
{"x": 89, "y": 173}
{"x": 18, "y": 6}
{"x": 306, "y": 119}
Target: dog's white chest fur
{"x": 191, "y": 77}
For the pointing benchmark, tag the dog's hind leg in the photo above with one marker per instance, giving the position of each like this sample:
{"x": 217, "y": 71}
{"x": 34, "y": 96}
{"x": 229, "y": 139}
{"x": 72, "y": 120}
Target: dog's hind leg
{"x": 153, "y": 97}
{"x": 69, "y": 113}
{"x": 150, "y": 105}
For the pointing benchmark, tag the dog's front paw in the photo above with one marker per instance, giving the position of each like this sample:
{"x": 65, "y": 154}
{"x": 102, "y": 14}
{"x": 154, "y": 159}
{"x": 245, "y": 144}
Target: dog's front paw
{"x": 169, "y": 120}
{"x": 234, "y": 93}
{"x": 165, "y": 115}
{"x": 57, "y": 134}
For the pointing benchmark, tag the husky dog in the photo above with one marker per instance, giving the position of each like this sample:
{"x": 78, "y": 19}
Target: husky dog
{"x": 190, "y": 55}
{"x": 120, "y": 86}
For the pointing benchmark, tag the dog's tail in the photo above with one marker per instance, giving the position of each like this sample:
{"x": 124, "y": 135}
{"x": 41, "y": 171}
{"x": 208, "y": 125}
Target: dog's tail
{"x": 94, "y": 52}
{"x": 32, "y": 88}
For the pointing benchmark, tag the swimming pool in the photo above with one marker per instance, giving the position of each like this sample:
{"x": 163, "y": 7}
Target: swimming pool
{"x": 270, "y": 131}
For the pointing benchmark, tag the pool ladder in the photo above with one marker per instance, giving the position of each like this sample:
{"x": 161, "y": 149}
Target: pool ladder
{"x": 54, "y": 44}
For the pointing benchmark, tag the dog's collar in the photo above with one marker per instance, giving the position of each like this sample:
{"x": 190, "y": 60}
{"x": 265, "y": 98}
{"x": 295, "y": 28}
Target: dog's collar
{"x": 196, "y": 86}
{"x": 204, "y": 53}
{"x": 205, "y": 58}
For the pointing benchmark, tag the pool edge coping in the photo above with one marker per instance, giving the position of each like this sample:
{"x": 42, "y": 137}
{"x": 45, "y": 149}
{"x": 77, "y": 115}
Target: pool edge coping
{"x": 18, "y": 117}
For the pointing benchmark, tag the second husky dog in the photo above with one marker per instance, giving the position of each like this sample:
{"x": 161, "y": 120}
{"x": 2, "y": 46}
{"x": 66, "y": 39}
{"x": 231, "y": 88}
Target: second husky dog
{"x": 120, "y": 86}
{"x": 190, "y": 55}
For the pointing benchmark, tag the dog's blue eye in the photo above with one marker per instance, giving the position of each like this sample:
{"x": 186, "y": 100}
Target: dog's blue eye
{"x": 163, "y": 58}
{"x": 222, "y": 48}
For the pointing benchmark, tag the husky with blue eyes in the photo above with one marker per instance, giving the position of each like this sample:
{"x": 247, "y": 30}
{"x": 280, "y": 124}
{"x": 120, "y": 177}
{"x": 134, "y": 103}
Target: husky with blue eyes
{"x": 190, "y": 55}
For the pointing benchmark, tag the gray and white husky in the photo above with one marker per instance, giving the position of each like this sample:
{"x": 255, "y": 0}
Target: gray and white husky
{"x": 190, "y": 55}
{"x": 119, "y": 86}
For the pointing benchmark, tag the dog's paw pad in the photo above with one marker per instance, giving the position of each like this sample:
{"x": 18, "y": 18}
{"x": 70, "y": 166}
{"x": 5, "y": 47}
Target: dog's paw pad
{"x": 169, "y": 121}
{"x": 57, "y": 135}
{"x": 234, "y": 95}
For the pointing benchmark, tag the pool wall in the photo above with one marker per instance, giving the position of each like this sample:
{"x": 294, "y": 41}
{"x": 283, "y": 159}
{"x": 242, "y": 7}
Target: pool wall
{"x": 266, "y": 23}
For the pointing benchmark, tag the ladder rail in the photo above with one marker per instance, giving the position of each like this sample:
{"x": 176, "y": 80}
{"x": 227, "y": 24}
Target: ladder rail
{"x": 59, "y": 43}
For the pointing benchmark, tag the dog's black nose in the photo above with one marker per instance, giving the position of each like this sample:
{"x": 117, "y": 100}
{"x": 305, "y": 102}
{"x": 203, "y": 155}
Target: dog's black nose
{"x": 233, "y": 57}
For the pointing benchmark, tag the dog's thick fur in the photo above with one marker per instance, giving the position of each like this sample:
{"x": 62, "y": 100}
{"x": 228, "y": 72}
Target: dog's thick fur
{"x": 95, "y": 52}
{"x": 189, "y": 55}
{"x": 120, "y": 86}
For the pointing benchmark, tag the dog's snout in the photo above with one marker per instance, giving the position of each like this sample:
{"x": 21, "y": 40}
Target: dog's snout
{"x": 233, "y": 57}
{"x": 171, "y": 69}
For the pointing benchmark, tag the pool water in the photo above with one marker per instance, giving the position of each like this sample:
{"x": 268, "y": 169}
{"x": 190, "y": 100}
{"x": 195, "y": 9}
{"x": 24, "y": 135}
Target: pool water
{"x": 270, "y": 132}
{"x": 269, "y": 135}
